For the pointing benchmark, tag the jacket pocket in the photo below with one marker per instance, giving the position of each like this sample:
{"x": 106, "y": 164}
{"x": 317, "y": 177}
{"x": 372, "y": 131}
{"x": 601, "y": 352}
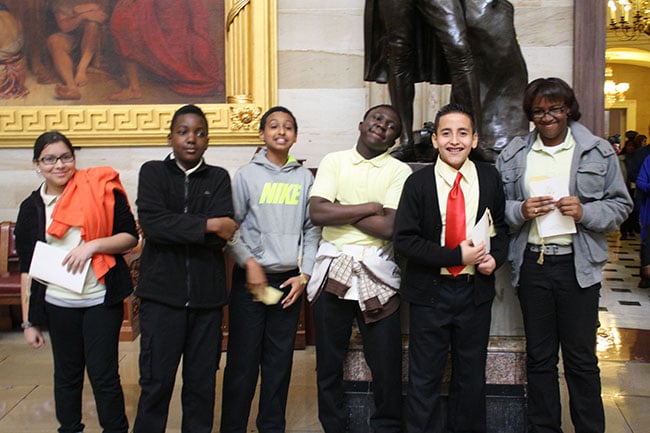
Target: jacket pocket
{"x": 590, "y": 180}
{"x": 510, "y": 177}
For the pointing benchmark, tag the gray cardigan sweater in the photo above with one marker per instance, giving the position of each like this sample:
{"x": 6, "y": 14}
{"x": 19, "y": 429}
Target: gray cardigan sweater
{"x": 595, "y": 179}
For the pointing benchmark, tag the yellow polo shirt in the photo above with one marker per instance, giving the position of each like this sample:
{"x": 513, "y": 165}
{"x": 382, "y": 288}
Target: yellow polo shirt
{"x": 346, "y": 177}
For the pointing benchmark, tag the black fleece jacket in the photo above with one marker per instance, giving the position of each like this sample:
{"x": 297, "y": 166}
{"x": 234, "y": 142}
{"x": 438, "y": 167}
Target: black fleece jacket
{"x": 181, "y": 265}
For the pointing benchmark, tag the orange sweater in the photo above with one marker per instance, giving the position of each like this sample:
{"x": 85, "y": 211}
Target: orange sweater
{"x": 88, "y": 202}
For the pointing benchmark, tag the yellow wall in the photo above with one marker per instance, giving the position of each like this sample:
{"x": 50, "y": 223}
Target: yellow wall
{"x": 637, "y": 76}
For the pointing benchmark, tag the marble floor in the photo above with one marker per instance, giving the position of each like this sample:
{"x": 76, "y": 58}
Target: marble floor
{"x": 624, "y": 349}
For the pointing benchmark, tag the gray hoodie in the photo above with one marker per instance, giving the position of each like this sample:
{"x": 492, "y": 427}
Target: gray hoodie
{"x": 272, "y": 209}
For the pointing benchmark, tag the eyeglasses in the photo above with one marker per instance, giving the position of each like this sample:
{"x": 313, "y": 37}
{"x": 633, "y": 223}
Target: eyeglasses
{"x": 66, "y": 158}
{"x": 539, "y": 114}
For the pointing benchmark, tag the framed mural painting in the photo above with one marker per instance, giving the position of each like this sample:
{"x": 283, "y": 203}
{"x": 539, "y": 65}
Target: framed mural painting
{"x": 146, "y": 58}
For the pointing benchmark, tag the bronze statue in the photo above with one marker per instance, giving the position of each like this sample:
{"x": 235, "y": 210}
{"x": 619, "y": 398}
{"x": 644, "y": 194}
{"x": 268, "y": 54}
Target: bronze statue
{"x": 470, "y": 44}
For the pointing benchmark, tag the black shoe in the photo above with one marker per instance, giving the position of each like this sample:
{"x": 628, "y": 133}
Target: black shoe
{"x": 644, "y": 284}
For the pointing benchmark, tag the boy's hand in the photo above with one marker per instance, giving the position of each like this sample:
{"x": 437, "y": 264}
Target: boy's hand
{"x": 472, "y": 255}
{"x": 255, "y": 277}
{"x": 298, "y": 284}
{"x": 487, "y": 265}
{"x": 224, "y": 227}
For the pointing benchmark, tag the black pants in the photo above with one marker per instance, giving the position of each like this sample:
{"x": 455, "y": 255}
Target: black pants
{"x": 559, "y": 313}
{"x": 258, "y": 335}
{"x": 87, "y": 338}
{"x": 382, "y": 348}
{"x": 167, "y": 334}
{"x": 456, "y": 322}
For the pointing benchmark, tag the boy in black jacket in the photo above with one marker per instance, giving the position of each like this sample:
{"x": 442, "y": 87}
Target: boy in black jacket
{"x": 449, "y": 283}
{"x": 185, "y": 210}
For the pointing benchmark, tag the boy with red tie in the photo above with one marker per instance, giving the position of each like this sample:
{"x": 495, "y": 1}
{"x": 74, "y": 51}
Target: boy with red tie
{"x": 448, "y": 278}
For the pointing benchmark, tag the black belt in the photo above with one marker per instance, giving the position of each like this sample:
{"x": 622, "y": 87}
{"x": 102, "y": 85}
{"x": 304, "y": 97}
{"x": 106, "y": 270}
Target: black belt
{"x": 551, "y": 249}
{"x": 460, "y": 278}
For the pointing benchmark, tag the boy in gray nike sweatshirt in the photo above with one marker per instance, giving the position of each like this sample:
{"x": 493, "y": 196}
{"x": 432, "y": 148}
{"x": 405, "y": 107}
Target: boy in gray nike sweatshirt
{"x": 275, "y": 247}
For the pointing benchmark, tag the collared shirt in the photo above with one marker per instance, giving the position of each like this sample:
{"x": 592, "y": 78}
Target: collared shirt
{"x": 93, "y": 291}
{"x": 445, "y": 178}
{"x": 346, "y": 177}
{"x": 186, "y": 171}
{"x": 544, "y": 163}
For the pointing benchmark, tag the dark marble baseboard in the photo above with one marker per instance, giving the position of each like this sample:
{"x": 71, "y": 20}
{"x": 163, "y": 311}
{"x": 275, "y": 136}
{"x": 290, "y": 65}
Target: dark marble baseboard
{"x": 505, "y": 405}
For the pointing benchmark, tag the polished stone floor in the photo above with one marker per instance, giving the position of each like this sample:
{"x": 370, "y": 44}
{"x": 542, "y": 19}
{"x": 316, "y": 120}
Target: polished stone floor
{"x": 624, "y": 349}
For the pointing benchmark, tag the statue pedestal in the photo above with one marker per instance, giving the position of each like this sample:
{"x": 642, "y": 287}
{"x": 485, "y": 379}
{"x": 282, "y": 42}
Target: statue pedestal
{"x": 505, "y": 367}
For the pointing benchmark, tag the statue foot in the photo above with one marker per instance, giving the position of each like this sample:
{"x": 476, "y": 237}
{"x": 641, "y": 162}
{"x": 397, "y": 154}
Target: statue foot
{"x": 405, "y": 152}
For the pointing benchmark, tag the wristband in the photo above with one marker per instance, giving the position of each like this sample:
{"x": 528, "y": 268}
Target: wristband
{"x": 26, "y": 324}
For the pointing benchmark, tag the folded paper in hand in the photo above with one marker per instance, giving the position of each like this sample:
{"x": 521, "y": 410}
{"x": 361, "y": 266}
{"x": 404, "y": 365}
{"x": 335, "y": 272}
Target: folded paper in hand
{"x": 482, "y": 230}
{"x": 46, "y": 267}
{"x": 553, "y": 223}
{"x": 269, "y": 295}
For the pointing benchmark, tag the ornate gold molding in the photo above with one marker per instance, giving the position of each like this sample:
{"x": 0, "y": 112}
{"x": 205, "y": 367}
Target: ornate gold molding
{"x": 251, "y": 88}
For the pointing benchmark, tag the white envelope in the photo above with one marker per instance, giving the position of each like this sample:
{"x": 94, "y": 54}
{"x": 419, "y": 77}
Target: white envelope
{"x": 481, "y": 231}
{"x": 46, "y": 267}
{"x": 553, "y": 223}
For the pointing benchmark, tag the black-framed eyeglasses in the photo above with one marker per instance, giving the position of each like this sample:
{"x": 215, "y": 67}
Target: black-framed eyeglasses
{"x": 539, "y": 114}
{"x": 66, "y": 158}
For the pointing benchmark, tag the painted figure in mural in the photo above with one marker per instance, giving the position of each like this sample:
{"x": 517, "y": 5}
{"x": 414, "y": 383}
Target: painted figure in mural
{"x": 37, "y": 18}
{"x": 80, "y": 27}
{"x": 13, "y": 66}
{"x": 169, "y": 38}
{"x": 469, "y": 44}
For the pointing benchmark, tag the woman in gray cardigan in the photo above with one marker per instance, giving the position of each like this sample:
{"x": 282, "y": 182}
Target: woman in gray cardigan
{"x": 558, "y": 273}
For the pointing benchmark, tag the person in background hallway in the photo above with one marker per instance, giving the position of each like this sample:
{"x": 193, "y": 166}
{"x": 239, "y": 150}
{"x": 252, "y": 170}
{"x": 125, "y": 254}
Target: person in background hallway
{"x": 185, "y": 211}
{"x": 85, "y": 212}
{"x": 354, "y": 198}
{"x": 558, "y": 277}
{"x": 631, "y": 223}
{"x": 276, "y": 247}
{"x": 643, "y": 196}
{"x": 449, "y": 284}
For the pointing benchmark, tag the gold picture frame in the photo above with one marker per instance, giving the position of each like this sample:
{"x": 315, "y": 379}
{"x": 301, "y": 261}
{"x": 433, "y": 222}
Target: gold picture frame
{"x": 250, "y": 84}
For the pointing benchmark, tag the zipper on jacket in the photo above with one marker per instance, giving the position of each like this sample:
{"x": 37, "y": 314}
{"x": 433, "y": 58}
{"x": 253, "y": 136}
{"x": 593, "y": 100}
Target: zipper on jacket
{"x": 186, "y": 193}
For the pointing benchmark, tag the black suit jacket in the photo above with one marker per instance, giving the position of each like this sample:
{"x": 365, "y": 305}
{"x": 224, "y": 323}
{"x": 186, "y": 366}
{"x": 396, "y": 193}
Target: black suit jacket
{"x": 418, "y": 226}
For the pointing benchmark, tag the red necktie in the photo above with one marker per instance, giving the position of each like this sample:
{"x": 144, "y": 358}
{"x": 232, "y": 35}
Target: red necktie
{"x": 455, "y": 231}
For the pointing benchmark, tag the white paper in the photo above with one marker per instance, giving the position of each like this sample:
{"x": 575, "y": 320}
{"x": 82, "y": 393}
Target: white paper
{"x": 269, "y": 295}
{"x": 553, "y": 223}
{"x": 481, "y": 231}
{"x": 46, "y": 267}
